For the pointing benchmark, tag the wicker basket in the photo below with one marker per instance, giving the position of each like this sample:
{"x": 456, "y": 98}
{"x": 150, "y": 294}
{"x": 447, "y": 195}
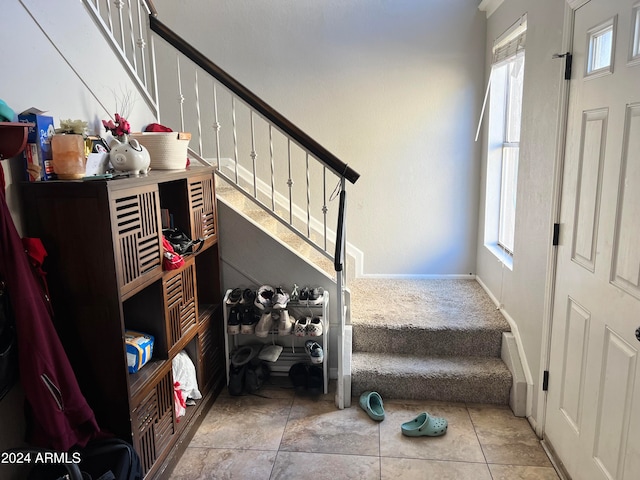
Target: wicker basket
{"x": 168, "y": 150}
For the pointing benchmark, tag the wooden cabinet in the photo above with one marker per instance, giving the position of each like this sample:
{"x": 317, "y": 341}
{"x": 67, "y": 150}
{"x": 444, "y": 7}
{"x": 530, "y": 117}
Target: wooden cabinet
{"x": 104, "y": 269}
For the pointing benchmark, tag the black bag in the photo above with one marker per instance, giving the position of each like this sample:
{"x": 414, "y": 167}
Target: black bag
{"x": 8, "y": 344}
{"x": 111, "y": 456}
{"x": 107, "y": 459}
{"x": 181, "y": 242}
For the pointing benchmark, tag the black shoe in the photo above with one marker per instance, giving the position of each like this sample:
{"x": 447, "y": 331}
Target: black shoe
{"x": 249, "y": 320}
{"x": 233, "y": 322}
{"x": 248, "y": 297}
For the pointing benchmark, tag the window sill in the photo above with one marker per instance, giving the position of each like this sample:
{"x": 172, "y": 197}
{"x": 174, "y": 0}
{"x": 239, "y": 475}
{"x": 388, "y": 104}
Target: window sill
{"x": 505, "y": 258}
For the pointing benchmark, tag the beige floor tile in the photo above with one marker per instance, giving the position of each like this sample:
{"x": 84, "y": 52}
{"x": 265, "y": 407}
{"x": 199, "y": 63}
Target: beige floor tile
{"x": 322, "y": 466}
{"x": 516, "y": 472}
{"x": 458, "y": 444}
{"x": 413, "y": 469}
{"x": 506, "y": 439}
{"x": 247, "y": 422}
{"x": 319, "y": 427}
{"x": 223, "y": 464}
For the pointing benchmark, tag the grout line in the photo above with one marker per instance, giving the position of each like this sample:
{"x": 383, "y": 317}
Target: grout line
{"x": 486, "y": 462}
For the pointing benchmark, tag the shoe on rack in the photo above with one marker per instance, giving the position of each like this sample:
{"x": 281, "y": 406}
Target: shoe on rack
{"x": 264, "y": 325}
{"x": 304, "y": 294}
{"x": 295, "y": 293}
{"x": 280, "y": 299}
{"x": 234, "y": 296}
{"x": 233, "y": 322}
{"x": 249, "y": 321}
{"x": 314, "y": 350}
{"x": 285, "y": 324}
{"x": 248, "y": 297}
{"x": 264, "y": 296}
{"x": 314, "y": 327}
{"x": 316, "y": 296}
{"x": 300, "y": 328}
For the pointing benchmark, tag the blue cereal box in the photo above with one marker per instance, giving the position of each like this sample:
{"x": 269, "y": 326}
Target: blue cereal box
{"x": 139, "y": 349}
{"x": 37, "y": 153}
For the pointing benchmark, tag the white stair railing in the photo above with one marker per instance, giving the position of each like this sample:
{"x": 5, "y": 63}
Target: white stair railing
{"x": 125, "y": 24}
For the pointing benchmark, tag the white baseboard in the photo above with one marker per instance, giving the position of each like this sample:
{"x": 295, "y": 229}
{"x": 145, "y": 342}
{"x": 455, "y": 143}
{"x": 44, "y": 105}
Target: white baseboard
{"x": 425, "y": 276}
{"x": 516, "y": 334}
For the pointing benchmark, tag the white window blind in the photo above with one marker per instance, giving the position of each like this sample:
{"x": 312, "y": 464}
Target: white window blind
{"x": 511, "y": 42}
{"x": 505, "y": 47}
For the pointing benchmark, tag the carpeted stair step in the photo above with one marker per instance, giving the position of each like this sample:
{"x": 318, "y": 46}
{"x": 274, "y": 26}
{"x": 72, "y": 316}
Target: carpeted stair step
{"x": 451, "y": 379}
{"x": 456, "y": 340}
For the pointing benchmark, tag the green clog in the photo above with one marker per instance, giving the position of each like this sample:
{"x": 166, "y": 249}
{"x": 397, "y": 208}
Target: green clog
{"x": 371, "y": 402}
{"x": 424, "y": 425}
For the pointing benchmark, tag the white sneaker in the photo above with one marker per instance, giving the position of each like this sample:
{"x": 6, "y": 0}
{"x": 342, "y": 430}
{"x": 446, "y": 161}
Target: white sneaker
{"x": 316, "y": 296}
{"x": 280, "y": 299}
{"x": 285, "y": 325}
{"x": 314, "y": 350}
{"x": 264, "y": 295}
{"x": 314, "y": 328}
{"x": 300, "y": 329}
{"x": 264, "y": 325}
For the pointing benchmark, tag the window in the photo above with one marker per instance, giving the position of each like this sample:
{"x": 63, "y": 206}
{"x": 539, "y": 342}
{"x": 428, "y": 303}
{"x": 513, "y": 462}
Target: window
{"x": 600, "y": 48}
{"x": 505, "y": 109}
{"x": 634, "y": 51}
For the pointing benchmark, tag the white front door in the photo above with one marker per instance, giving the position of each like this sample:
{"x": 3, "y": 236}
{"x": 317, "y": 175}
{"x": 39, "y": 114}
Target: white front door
{"x": 593, "y": 408}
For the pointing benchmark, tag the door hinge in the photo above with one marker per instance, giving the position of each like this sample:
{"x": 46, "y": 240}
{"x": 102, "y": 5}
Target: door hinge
{"x": 556, "y": 235}
{"x": 545, "y": 381}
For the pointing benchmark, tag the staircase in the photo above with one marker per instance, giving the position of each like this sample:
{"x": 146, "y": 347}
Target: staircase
{"x": 428, "y": 339}
{"x": 433, "y": 339}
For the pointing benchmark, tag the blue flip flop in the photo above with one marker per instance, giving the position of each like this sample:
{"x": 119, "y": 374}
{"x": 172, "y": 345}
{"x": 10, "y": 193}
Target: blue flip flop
{"x": 371, "y": 402}
{"x": 424, "y": 425}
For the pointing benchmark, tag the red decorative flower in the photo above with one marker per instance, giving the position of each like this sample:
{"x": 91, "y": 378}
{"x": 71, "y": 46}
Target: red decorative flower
{"x": 119, "y": 128}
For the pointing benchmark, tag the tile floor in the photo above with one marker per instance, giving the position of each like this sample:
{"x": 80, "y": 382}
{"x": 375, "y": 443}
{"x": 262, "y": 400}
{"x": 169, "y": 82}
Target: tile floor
{"x": 284, "y": 435}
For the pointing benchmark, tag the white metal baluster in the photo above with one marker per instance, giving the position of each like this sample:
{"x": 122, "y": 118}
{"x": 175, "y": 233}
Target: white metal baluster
{"x": 216, "y": 124}
{"x": 290, "y": 182}
{"x": 109, "y": 16}
{"x": 235, "y": 136}
{"x": 133, "y": 37}
{"x": 253, "y": 156}
{"x": 198, "y": 116}
{"x": 119, "y": 4}
{"x": 154, "y": 76}
{"x": 273, "y": 181}
{"x": 180, "y": 95}
{"x": 308, "y": 198}
{"x": 324, "y": 203}
{"x": 141, "y": 44}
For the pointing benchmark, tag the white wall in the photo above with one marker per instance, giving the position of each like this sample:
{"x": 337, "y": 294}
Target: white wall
{"x": 75, "y": 82}
{"x": 391, "y": 88}
{"x": 78, "y": 78}
{"x": 521, "y": 291}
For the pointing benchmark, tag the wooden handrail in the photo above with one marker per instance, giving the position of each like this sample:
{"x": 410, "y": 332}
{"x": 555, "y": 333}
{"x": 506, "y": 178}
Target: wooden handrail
{"x": 305, "y": 141}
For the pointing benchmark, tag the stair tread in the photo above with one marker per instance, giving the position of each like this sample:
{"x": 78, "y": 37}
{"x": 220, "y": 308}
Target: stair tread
{"x": 424, "y": 303}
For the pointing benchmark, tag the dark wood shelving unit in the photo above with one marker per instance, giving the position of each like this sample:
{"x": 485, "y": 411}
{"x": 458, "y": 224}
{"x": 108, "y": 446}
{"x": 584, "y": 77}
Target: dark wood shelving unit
{"x": 104, "y": 268}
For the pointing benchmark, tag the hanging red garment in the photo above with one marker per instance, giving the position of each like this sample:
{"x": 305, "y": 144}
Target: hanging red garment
{"x": 61, "y": 415}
